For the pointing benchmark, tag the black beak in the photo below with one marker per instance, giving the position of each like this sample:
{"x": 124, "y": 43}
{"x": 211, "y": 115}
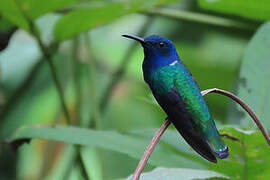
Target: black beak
{"x": 141, "y": 40}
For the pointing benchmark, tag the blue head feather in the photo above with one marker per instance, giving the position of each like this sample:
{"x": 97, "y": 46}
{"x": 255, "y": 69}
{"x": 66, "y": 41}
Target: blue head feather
{"x": 158, "y": 52}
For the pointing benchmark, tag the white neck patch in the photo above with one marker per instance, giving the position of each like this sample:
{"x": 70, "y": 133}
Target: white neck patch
{"x": 173, "y": 63}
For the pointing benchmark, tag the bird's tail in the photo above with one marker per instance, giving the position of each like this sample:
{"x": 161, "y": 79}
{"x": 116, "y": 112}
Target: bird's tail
{"x": 218, "y": 147}
{"x": 195, "y": 140}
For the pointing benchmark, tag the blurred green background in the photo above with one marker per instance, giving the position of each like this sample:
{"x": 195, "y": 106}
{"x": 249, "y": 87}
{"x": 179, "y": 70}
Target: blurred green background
{"x": 73, "y": 84}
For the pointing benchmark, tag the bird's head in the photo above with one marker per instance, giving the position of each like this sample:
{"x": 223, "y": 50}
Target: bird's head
{"x": 155, "y": 45}
{"x": 157, "y": 49}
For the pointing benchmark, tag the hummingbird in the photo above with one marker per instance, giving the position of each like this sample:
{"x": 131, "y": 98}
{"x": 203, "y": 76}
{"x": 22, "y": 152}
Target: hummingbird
{"x": 178, "y": 94}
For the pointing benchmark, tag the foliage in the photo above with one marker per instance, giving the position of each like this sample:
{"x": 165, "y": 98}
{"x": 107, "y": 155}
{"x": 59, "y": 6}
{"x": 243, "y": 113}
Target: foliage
{"x": 248, "y": 159}
{"x": 85, "y": 18}
{"x": 175, "y": 173}
{"x": 258, "y": 10}
{"x": 111, "y": 140}
{"x": 79, "y": 43}
{"x": 11, "y": 11}
{"x": 252, "y": 89}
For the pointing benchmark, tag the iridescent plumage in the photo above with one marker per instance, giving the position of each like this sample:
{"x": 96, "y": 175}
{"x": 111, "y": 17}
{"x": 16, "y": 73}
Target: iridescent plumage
{"x": 178, "y": 94}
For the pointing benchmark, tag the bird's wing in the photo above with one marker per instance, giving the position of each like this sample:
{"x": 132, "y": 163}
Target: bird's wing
{"x": 174, "y": 106}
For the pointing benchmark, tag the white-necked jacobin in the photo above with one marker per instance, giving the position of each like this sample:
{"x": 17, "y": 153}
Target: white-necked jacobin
{"x": 178, "y": 94}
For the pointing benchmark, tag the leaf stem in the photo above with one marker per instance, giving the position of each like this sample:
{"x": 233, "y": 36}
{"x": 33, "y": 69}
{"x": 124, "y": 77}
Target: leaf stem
{"x": 92, "y": 62}
{"x": 48, "y": 57}
{"x": 47, "y": 53}
{"x": 81, "y": 163}
{"x": 201, "y": 18}
{"x": 79, "y": 107}
{"x": 150, "y": 148}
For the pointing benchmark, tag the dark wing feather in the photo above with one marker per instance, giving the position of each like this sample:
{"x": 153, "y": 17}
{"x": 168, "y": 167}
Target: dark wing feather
{"x": 173, "y": 105}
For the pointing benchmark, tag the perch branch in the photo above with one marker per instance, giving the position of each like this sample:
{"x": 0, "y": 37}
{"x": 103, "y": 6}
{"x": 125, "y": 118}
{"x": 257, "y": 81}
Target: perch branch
{"x": 166, "y": 123}
{"x": 150, "y": 149}
{"x": 244, "y": 106}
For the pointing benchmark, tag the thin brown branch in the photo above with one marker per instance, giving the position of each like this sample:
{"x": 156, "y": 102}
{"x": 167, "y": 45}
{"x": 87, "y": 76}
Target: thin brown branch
{"x": 150, "y": 149}
{"x": 229, "y": 137}
{"x": 244, "y": 106}
{"x": 166, "y": 123}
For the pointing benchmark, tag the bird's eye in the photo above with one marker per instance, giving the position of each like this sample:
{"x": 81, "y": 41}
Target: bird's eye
{"x": 161, "y": 44}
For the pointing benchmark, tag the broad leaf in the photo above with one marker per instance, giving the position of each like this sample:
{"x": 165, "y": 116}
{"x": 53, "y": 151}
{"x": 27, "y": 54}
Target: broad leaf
{"x": 34, "y": 105}
{"x": 173, "y": 140}
{"x": 249, "y": 155}
{"x": 92, "y": 161}
{"x": 111, "y": 140}
{"x": 254, "y": 84}
{"x": 85, "y": 18}
{"x": 258, "y": 10}
{"x": 35, "y": 8}
{"x": 62, "y": 166}
{"x": 10, "y": 10}
{"x": 179, "y": 173}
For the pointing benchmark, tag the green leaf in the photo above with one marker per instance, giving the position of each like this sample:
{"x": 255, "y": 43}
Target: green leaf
{"x": 5, "y": 25}
{"x": 10, "y": 10}
{"x": 35, "y": 8}
{"x": 173, "y": 140}
{"x": 178, "y": 173}
{"x": 83, "y": 19}
{"x": 92, "y": 162}
{"x": 38, "y": 100}
{"x": 254, "y": 85}
{"x": 258, "y": 10}
{"x": 249, "y": 155}
{"x": 111, "y": 140}
{"x": 61, "y": 167}
{"x": 36, "y": 108}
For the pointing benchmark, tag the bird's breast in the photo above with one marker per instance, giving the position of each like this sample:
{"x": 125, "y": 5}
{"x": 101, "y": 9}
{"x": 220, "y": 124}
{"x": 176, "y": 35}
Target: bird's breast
{"x": 161, "y": 80}
{"x": 164, "y": 79}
